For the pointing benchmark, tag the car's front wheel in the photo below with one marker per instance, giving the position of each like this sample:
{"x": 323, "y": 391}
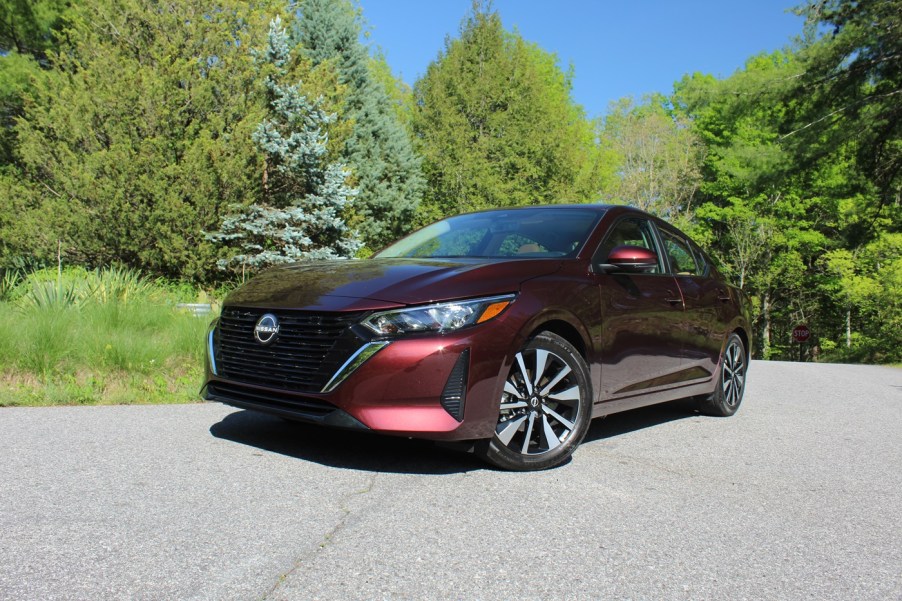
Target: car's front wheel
{"x": 545, "y": 408}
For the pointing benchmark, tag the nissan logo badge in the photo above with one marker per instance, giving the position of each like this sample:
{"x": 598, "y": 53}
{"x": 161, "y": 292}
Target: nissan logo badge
{"x": 267, "y": 329}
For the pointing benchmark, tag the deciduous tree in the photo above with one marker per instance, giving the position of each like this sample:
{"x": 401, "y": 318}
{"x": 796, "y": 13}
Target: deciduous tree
{"x": 658, "y": 158}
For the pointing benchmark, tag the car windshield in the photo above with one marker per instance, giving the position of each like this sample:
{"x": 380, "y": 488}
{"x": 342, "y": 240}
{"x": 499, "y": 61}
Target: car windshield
{"x": 520, "y": 233}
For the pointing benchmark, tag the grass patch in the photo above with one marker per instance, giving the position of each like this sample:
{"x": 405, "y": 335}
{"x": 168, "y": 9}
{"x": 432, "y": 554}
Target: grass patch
{"x": 103, "y": 345}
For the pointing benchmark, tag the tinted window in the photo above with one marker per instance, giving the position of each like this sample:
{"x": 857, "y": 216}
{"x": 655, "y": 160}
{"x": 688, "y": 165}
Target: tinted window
{"x": 682, "y": 261}
{"x": 541, "y": 233}
{"x": 701, "y": 259}
{"x": 628, "y": 232}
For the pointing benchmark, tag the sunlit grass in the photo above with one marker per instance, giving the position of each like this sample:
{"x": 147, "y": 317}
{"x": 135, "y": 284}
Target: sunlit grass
{"x": 126, "y": 344}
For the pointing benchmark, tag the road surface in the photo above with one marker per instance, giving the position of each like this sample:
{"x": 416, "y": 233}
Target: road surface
{"x": 798, "y": 496}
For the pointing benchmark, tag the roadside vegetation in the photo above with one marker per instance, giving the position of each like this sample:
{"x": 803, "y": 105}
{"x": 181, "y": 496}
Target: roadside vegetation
{"x": 197, "y": 146}
{"x": 97, "y": 337}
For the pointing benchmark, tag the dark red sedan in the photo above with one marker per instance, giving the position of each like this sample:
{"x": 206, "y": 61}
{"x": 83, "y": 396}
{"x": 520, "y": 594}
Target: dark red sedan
{"x": 510, "y": 328}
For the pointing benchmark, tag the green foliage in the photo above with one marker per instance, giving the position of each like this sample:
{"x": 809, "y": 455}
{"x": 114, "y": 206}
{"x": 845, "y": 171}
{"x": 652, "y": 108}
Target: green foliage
{"x": 16, "y": 74}
{"x": 378, "y": 149}
{"x": 497, "y": 126}
{"x": 30, "y": 27}
{"x": 9, "y": 281}
{"x": 77, "y": 286}
{"x": 400, "y": 95}
{"x": 304, "y": 195}
{"x": 795, "y": 223}
{"x": 849, "y": 93}
{"x": 138, "y": 137}
{"x": 658, "y": 158}
{"x": 116, "y": 338}
{"x": 28, "y": 31}
{"x": 867, "y": 281}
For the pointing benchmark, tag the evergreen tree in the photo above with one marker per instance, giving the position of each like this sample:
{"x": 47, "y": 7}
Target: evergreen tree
{"x": 850, "y": 92}
{"x": 498, "y": 127}
{"x": 300, "y": 216}
{"x": 378, "y": 150}
{"x": 28, "y": 32}
{"x": 138, "y": 135}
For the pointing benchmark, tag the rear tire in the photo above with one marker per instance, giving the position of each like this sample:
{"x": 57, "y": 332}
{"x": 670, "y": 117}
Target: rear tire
{"x": 730, "y": 389}
{"x": 545, "y": 408}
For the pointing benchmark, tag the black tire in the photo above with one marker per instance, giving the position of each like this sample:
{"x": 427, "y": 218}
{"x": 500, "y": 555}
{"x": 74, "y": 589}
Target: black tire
{"x": 542, "y": 418}
{"x": 730, "y": 381}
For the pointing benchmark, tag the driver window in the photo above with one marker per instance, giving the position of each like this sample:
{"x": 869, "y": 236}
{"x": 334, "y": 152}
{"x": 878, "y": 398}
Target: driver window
{"x": 628, "y": 232}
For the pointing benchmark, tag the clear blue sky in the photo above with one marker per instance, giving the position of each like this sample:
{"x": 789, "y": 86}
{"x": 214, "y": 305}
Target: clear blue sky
{"x": 617, "y": 48}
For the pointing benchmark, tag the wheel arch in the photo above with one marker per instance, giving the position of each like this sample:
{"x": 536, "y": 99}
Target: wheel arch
{"x": 744, "y": 337}
{"x": 565, "y": 330}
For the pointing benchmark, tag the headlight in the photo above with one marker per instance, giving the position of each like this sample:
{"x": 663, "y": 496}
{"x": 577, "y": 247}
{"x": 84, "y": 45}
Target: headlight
{"x": 441, "y": 317}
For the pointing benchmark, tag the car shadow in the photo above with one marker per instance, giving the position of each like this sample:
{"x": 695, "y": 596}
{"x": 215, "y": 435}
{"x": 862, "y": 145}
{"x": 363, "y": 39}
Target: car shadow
{"x": 377, "y": 453}
{"x": 626, "y": 422}
{"x": 342, "y": 448}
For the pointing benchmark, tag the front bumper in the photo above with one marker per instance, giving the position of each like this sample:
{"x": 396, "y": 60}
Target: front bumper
{"x": 396, "y": 386}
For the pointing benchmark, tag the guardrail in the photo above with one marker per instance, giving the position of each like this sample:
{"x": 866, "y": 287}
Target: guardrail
{"x": 196, "y": 309}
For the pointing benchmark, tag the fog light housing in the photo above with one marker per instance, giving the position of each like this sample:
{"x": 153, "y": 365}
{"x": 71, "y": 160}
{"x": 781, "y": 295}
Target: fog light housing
{"x": 454, "y": 396}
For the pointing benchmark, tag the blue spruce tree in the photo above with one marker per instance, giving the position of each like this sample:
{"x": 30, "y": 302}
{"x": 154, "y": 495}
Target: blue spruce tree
{"x": 304, "y": 196}
{"x": 379, "y": 150}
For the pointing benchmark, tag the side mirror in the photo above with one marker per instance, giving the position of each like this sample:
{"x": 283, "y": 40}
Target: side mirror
{"x": 634, "y": 259}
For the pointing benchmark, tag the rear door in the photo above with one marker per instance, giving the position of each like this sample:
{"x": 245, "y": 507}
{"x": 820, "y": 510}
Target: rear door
{"x": 705, "y": 298}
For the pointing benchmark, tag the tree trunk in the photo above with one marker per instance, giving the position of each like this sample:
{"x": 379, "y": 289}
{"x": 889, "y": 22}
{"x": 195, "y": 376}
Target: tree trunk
{"x": 849, "y": 327}
{"x": 265, "y": 181}
{"x": 765, "y": 334}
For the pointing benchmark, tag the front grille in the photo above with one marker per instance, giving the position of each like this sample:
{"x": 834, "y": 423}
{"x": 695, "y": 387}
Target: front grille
{"x": 309, "y": 349}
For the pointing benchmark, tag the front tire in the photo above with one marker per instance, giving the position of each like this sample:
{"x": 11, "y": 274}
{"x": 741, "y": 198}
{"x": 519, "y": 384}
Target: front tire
{"x": 545, "y": 408}
{"x": 730, "y": 381}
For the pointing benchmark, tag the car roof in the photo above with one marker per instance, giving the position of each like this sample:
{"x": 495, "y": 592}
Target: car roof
{"x": 598, "y": 207}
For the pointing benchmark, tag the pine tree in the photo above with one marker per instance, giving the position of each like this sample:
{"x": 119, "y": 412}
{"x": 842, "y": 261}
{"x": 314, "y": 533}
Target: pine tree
{"x": 300, "y": 216}
{"x": 378, "y": 149}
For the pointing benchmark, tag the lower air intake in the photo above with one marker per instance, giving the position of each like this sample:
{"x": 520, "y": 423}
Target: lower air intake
{"x": 455, "y": 393}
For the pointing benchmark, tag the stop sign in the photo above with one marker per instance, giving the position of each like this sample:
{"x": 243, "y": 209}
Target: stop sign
{"x": 800, "y": 333}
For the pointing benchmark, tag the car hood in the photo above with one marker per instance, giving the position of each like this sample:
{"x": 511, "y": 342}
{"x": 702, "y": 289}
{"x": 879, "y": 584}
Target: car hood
{"x": 358, "y": 285}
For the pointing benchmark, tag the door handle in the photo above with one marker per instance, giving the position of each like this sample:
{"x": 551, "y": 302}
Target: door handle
{"x": 670, "y": 298}
{"x": 723, "y": 295}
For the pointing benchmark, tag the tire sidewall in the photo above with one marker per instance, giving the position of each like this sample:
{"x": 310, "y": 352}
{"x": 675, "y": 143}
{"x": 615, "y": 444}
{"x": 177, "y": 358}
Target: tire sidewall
{"x": 720, "y": 405}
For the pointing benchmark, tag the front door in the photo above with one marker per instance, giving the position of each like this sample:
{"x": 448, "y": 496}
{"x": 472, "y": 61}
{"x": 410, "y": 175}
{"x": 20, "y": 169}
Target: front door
{"x": 643, "y": 320}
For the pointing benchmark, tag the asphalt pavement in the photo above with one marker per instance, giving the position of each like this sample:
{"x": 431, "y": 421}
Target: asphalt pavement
{"x": 798, "y": 496}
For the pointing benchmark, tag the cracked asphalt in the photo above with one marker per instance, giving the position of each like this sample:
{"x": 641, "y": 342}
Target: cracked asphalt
{"x": 796, "y": 497}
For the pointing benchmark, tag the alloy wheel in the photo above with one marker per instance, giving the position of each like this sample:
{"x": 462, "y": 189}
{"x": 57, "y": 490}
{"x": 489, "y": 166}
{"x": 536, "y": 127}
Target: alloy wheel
{"x": 540, "y": 405}
{"x": 732, "y": 378}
